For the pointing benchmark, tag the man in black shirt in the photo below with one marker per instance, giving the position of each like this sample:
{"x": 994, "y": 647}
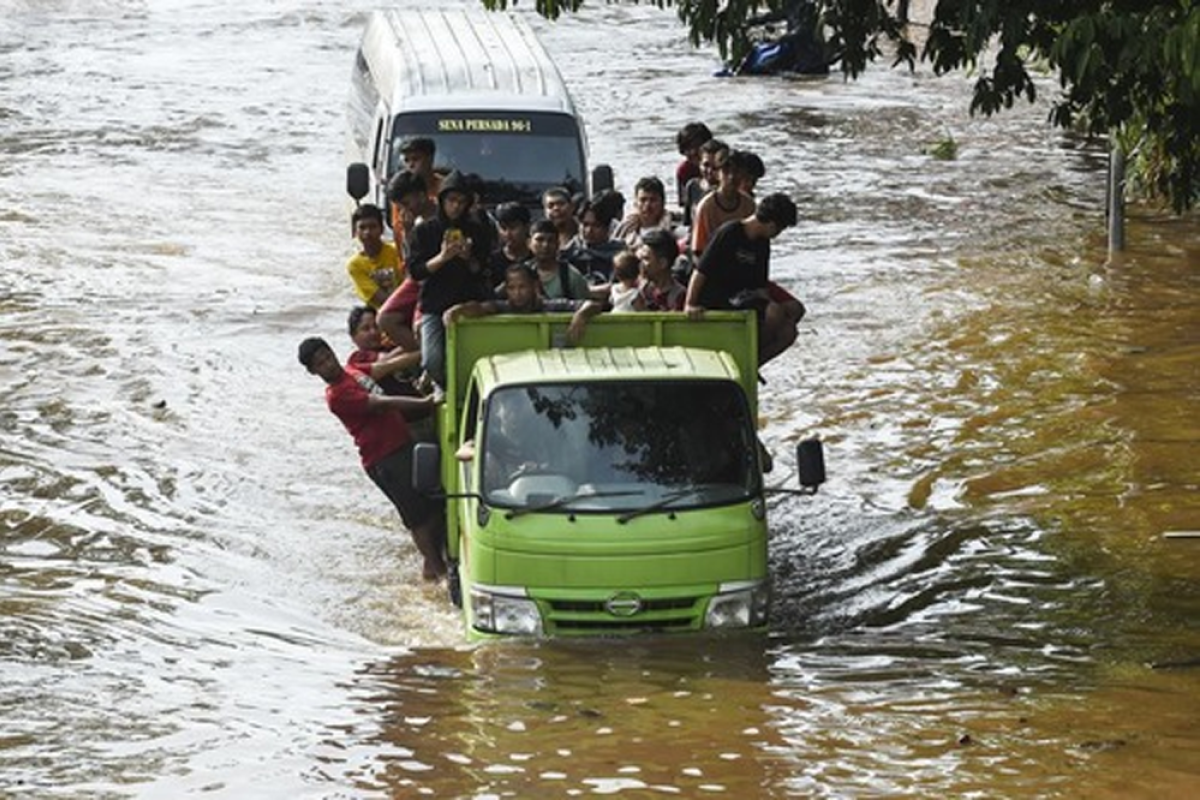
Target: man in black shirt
{"x": 449, "y": 256}
{"x": 734, "y": 269}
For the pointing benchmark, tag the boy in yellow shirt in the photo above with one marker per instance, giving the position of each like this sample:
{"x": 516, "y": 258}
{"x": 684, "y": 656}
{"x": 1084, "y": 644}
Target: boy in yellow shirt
{"x": 375, "y": 270}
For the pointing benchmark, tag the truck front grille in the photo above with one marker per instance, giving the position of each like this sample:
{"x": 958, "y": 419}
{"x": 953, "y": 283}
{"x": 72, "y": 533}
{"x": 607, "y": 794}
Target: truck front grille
{"x": 565, "y": 617}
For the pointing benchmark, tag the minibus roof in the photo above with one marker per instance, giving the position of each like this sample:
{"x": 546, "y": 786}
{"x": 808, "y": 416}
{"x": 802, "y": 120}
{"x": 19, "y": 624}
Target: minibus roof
{"x": 449, "y": 59}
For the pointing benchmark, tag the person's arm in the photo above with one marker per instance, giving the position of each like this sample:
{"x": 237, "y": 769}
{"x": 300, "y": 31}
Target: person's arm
{"x": 580, "y": 288}
{"x": 377, "y": 403}
{"x": 700, "y": 231}
{"x": 471, "y": 308}
{"x": 452, "y": 247}
{"x": 691, "y": 303}
{"x": 379, "y": 298}
{"x": 466, "y": 452}
{"x": 430, "y": 253}
{"x": 599, "y": 292}
{"x": 580, "y": 319}
{"x": 396, "y": 360}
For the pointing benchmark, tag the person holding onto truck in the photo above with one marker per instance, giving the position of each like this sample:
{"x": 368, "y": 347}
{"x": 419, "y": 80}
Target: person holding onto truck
{"x": 377, "y": 423}
{"x": 734, "y": 271}
{"x": 523, "y": 295}
{"x": 449, "y": 256}
{"x": 750, "y": 169}
{"x": 375, "y": 269}
{"x": 390, "y": 367}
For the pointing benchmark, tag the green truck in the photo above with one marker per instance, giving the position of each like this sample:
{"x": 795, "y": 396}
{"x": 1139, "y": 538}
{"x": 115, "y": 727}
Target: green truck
{"x": 608, "y": 488}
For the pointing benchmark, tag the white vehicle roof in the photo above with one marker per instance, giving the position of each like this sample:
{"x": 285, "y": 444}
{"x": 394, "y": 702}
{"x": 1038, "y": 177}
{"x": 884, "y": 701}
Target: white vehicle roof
{"x": 450, "y": 59}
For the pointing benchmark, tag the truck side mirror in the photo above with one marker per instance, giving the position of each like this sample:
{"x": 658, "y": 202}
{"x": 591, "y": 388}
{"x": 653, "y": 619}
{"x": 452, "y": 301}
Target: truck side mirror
{"x": 427, "y": 468}
{"x": 602, "y": 178}
{"x": 358, "y": 181}
{"x": 810, "y": 463}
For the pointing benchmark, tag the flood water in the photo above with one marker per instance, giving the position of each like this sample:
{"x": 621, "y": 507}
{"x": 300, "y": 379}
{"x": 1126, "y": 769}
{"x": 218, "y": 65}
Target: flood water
{"x": 202, "y": 595}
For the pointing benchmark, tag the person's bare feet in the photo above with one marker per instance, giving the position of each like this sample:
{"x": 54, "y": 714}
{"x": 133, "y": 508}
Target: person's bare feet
{"x": 433, "y": 571}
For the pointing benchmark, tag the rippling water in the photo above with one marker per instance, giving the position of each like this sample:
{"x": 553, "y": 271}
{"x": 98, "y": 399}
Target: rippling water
{"x": 200, "y": 593}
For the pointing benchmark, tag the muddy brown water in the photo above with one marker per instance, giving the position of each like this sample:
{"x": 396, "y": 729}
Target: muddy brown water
{"x": 200, "y": 594}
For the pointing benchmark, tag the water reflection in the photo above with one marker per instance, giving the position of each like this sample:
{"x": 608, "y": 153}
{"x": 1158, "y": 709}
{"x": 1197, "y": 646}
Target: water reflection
{"x": 583, "y": 718}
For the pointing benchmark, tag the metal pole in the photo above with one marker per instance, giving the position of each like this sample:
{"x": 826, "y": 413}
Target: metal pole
{"x": 1116, "y": 199}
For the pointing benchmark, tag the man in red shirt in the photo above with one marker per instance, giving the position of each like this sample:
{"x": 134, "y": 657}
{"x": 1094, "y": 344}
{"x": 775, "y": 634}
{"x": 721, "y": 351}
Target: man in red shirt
{"x": 376, "y": 422}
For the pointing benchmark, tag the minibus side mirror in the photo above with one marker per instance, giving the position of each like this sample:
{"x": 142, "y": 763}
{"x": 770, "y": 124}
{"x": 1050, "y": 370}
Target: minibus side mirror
{"x": 358, "y": 181}
{"x": 427, "y": 468}
{"x": 810, "y": 464}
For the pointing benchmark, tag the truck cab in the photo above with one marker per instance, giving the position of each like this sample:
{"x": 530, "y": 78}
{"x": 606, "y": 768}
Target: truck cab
{"x": 609, "y": 488}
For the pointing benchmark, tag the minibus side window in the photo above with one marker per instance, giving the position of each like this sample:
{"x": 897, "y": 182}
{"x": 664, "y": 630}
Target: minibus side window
{"x": 375, "y": 161}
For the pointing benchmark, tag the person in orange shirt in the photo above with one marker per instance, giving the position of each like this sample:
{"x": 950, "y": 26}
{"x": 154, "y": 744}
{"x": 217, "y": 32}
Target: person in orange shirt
{"x": 726, "y": 202}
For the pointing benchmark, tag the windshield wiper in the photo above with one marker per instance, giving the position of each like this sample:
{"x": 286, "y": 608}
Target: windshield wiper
{"x": 660, "y": 503}
{"x": 565, "y": 500}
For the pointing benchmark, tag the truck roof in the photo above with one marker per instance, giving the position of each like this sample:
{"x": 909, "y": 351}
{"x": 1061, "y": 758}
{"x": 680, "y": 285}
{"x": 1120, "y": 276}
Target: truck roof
{"x": 605, "y": 364}
{"x": 530, "y": 348}
{"x": 448, "y": 59}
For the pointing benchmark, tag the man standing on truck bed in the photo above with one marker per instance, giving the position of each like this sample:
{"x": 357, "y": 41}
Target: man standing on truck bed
{"x": 449, "y": 255}
{"x": 734, "y": 270}
{"x": 385, "y": 444}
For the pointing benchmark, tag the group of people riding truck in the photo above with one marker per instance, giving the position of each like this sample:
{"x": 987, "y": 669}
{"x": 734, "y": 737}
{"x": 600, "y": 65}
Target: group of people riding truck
{"x": 450, "y": 256}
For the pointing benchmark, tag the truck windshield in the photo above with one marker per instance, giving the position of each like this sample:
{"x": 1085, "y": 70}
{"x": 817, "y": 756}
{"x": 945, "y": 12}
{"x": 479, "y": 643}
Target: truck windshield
{"x": 519, "y": 155}
{"x": 618, "y": 446}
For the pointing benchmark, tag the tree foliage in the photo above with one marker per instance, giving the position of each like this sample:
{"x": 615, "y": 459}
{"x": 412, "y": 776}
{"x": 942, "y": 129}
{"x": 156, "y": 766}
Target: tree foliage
{"x": 1129, "y": 69}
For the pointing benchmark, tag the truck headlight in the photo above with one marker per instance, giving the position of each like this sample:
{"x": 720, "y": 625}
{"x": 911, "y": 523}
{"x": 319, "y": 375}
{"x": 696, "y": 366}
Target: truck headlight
{"x": 743, "y": 604}
{"x": 504, "y": 610}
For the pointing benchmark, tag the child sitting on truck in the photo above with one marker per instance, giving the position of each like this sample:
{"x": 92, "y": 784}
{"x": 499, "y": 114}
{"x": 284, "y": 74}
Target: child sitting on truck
{"x": 624, "y": 294}
{"x": 523, "y": 295}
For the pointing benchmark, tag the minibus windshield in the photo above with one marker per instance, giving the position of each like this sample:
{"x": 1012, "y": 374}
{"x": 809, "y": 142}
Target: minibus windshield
{"x": 619, "y": 446}
{"x": 518, "y": 154}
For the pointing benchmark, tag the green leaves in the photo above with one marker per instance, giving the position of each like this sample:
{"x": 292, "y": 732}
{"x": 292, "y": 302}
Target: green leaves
{"x": 1124, "y": 65}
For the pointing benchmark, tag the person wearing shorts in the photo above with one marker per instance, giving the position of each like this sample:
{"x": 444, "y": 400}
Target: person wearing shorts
{"x": 734, "y": 272}
{"x": 376, "y": 422}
